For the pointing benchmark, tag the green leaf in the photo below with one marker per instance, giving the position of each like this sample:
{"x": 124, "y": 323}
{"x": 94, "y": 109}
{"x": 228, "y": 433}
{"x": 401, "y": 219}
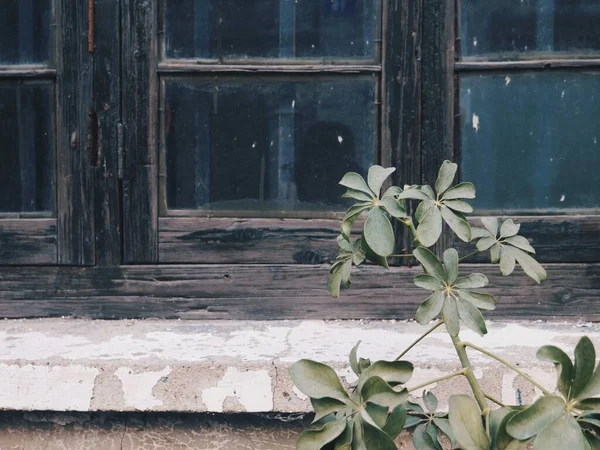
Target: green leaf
{"x": 589, "y": 404}
{"x": 377, "y": 176}
{"x": 430, "y": 308}
{"x": 490, "y": 224}
{"x": 451, "y": 260}
{"x": 354, "y": 181}
{"x": 486, "y": 302}
{"x": 393, "y": 191}
{"x": 334, "y": 283}
{"x": 531, "y": 421}
{"x": 421, "y": 439}
{"x": 352, "y": 216}
{"x": 507, "y": 261}
{"x": 430, "y": 401}
{"x": 378, "y": 413}
{"x": 457, "y": 223}
{"x": 376, "y": 390}
{"x": 395, "y": 422}
{"x": 375, "y": 439}
{"x": 520, "y": 242}
{"x": 562, "y": 364}
{"x": 466, "y": 423}
{"x": 583, "y": 368}
{"x": 317, "y": 380}
{"x": 501, "y": 439}
{"x": 473, "y": 281}
{"x": 461, "y": 190}
{"x": 430, "y": 228}
{"x": 374, "y": 257}
{"x": 459, "y": 205}
{"x": 358, "y": 443}
{"x": 379, "y": 233}
{"x": 353, "y": 359}
{"x": 393, "y": 207}
{"x": 317, "y": 439}
{"x": 563, "y": 433}
{"x": 326, "y": 406}
{"x": 471, "y": 317}
{"x": 451, "y": 317}
{"x": 344, "y": 442}
{"x": 509, "y": 228}
{"x": 392, "y": 372}
{"x": 428, "y": 282}
{"x": 428, "y": 191}
{"x": 414, "y": 193}
{"x": 593, "y": 441}
{"x": 344, "y": 244}
{"x": 411, "y": 421}
{"x": 357, "y": 195}
{"x": 495, "y": 253}
{"x": 423, "y": 209}
{"x": 432, "y": 265}
{"x": 485, "y": 243}
{"x": 529, "y": 265}
{"x": 445, "y": 176}
{"x": 346, "y": 270}
{"x": 433, "y": 433}
{"x": 444, "y": 426}
{"x": 593, "y": 386}
{"x": 364, "y": 364}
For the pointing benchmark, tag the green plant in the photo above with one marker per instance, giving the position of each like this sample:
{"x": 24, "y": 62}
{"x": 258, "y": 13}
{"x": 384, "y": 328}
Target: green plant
{"x": 370, "y": 414}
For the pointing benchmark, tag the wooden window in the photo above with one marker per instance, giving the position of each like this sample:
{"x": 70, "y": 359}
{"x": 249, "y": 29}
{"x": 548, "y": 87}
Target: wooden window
{"x": 45, "y": 209}
{"x": 527, "y": 97}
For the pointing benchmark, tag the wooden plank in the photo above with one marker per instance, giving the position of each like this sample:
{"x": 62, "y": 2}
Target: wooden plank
{"x": 107, "y": 100}
{"x": 403, "y": 85}
{"x": 140, "y": 115}
{"x": 537, "y": 64}
{"x": 247, "y": 241}
{"x": 33, "y": 71}
{"x": 557, "y": 239}
{"x": 186, "y": 68}
{"x": 28, "y": 241}
{"x": 74, "y": 174}
{"x": 276, "y": 292}
{"x": 437, "y": 132}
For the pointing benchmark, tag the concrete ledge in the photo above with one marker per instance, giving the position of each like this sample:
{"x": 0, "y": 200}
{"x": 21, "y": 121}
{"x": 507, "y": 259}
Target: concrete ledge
{"x": 232, "y": 367}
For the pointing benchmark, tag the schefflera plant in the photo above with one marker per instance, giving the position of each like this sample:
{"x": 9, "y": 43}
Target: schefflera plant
{"x": 369, "y": 414}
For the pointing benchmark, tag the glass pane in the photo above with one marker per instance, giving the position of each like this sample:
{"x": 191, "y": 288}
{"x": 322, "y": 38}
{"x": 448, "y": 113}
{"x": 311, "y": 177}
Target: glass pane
{"x": 266, "y": 145}
{"x": 287, "y": 29}
{"x": 510, "y": 27}
{"x": 532, "y": 141}
{"x": 27, "y": 143}
{"x": 25, "y": 31}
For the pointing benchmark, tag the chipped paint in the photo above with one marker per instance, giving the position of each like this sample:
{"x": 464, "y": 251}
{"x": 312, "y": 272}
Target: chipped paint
{"x": 475, "y": 122}
{"x": 252, "y": 389}
{"x": 44, "y": 387}
{"x": 137, "y": 387}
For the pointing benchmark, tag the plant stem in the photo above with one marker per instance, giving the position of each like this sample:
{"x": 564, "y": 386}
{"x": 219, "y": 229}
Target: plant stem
{"x": 437, "y": 380}
{"x": 507, "y": 364}
{"x": 423, "y": 336}
{"x": 409, "y": 255}
{"x": 495, "y": 400}
{"x": 411, "y": 226}
{"x": 469, "y": 375}
{"x": 469, "y": 255}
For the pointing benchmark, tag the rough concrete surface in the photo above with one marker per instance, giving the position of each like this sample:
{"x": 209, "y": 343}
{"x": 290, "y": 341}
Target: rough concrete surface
{"x": 236, "y": 367}
{"x": 135, "y": 431}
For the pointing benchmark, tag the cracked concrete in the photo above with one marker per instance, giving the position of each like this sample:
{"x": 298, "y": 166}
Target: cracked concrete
{"x": 237, "y": 367}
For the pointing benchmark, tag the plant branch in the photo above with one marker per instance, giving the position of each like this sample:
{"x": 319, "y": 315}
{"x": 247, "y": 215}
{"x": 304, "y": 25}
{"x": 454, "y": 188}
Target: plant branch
{"x": 469, "y": 375}
{"x": 495, "y": 400}
{"x": 437, "y": 380}
{"x": 411, "y": 226}
{"x": 423, "y": 336}
{"x": 507, "y": 364}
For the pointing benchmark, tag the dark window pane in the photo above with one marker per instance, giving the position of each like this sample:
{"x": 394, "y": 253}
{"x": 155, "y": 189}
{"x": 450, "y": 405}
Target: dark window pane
{"x": 287, "y": 29}
{"x": 27, "y": 142}
{"x": 25, "y": 31}
{"x": 511, "y": 27}
{"x": 532, "y": 141}
{"x": 266, "y": 145}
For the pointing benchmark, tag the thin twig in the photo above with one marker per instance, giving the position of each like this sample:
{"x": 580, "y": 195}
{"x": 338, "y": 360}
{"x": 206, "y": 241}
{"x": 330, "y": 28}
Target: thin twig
{"x": 423, "y": 336}
{"x": 495, "y": 400}
{"x": 437, "y": 380}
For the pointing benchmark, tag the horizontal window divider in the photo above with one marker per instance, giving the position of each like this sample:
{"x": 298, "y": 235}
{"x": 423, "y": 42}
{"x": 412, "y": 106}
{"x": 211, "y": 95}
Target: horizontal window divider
{"x": 277, "y": 292}
{"x": 27, "y": 72}
{"x": 178, "y": 68}
{"x": 543, "y": 64}
{"x": 253, "y": 215}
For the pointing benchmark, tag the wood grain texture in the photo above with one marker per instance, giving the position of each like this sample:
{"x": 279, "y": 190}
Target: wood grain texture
{"x": 74, "y": 174}
{"x": 28, "y": 241}
{"x": 540, "y": 64}
{"x": 557, "y": 239}
{"x": 276, "y": 292}
{"x": 140, "y": 112}
{"x": 247, "y": 241}
{"x": 107, "y": 107}
{"x": 186, "y": 68}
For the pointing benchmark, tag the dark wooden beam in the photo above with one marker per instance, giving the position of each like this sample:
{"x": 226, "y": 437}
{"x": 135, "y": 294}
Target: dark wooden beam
{"x": 276, "y": 292}
{"x": 191, "y": 68}
{"x": 540, "y": 64}
{"x": 28, "y": 241}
